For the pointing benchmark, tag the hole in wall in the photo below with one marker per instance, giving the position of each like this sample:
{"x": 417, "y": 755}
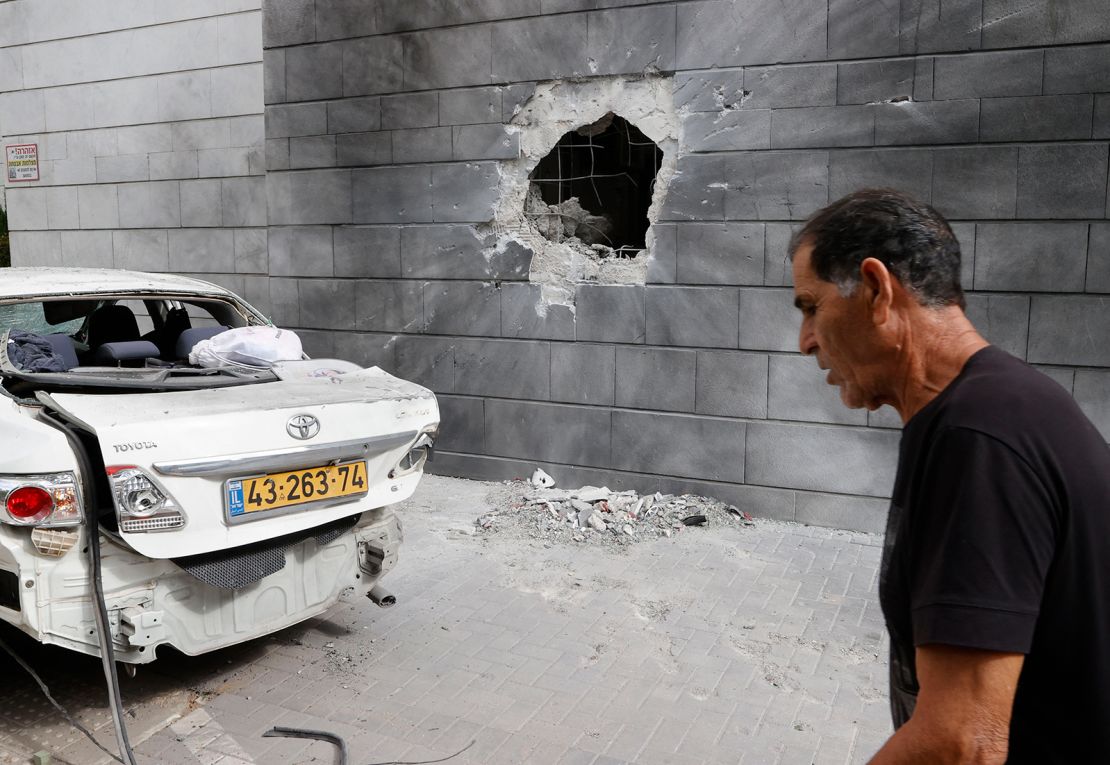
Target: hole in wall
{"x": 631, "y": 128}
{"x": 596, "y": 187}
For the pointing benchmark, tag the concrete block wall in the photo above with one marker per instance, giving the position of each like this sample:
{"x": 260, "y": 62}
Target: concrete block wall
{"x": 150, "y": 131}
{"x": 386, "y": 121}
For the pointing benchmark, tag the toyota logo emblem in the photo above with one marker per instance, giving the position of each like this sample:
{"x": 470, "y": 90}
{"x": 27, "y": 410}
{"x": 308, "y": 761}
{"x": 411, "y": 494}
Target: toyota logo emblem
{"x": 303, "y": 426}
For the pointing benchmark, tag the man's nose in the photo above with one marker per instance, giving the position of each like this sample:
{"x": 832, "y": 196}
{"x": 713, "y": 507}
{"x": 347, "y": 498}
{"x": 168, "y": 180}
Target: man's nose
{"x": 807, "y": 343}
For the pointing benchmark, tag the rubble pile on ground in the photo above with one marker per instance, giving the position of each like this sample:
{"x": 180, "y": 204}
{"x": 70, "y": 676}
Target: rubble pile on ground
{"x": 598, "y": 515}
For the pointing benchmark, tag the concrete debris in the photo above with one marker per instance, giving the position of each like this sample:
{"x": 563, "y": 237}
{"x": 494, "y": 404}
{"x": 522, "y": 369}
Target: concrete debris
{"x": 582, "y": 506}
{"x": 592, "y": 494}
{"x": 569, "y": 222}
{"x": 542, "y": 480}
{"x": 598, "y": 515}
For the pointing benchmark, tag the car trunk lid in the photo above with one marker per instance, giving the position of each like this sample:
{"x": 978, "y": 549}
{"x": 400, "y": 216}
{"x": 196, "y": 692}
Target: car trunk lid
{"x": 200, "y": 445}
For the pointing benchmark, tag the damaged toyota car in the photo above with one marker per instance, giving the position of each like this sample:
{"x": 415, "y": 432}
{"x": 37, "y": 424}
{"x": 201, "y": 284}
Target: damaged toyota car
{"x": 225, "y": 495}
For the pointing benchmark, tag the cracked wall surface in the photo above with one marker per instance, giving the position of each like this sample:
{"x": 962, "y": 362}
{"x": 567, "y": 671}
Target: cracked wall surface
{"x": 556, "y": 108}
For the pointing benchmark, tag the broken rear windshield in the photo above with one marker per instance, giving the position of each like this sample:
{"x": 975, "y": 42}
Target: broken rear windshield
{"x": 118, "y": 341}
{"x": 34, "y": 317}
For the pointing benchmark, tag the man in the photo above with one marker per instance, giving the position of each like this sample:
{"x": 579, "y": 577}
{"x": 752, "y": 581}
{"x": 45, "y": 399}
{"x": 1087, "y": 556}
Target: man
{"x": 995, "y": 580}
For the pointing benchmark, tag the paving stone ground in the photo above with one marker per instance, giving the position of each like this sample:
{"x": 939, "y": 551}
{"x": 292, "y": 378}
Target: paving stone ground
{"x": 753, "y": 645}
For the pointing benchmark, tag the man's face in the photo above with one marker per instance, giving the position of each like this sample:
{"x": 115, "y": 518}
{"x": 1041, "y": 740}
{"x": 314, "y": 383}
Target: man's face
{"x": 838, "y": 330}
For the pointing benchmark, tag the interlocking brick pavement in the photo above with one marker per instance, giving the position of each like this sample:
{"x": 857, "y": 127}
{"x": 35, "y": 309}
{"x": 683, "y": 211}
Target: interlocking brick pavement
{"x": 753, "y": 645}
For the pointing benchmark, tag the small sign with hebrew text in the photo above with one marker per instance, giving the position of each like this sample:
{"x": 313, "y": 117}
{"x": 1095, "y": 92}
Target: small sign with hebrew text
{"x": 23, "y": 162}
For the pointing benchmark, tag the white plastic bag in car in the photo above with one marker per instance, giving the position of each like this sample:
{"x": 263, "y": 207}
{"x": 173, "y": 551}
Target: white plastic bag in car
{"x": 247, "y": 346}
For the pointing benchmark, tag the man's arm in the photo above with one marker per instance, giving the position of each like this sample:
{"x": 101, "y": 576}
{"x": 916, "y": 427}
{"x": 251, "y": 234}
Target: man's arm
{"x": 963, "y": 708}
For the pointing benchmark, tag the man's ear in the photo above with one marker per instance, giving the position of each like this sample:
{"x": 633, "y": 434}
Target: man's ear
{"x": 878, "y": 288}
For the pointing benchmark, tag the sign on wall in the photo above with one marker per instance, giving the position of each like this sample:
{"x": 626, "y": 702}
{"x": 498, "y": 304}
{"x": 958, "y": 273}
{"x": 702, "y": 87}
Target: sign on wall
{"x": 23, "y": 162}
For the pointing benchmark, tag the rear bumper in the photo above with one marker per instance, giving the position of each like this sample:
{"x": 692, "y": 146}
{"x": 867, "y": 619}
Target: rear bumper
{"x": 154, "y": 602}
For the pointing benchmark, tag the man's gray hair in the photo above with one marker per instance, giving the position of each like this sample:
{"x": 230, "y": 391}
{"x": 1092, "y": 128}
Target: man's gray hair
{"x": 909, "y": 237}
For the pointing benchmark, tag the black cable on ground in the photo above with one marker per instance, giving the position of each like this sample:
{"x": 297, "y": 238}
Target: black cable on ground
{"x": 337, "y": 740}
{"x": 319, "y": 735}
{"x": 51, "y": 699}
{"x": 428, "y": 762}
{"x": 100, "y": 610}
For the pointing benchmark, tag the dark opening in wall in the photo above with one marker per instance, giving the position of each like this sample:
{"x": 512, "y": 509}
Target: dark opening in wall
{"x": 596, "y": 186}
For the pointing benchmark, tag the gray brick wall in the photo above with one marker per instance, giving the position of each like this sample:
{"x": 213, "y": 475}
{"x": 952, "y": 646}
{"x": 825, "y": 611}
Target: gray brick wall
{"x": 151, "y": 132}
{"x": 382, "y": 148}
{"x": 996, "y": 112}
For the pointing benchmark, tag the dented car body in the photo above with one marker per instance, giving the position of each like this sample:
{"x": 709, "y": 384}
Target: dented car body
{"x": 227, "y": 502}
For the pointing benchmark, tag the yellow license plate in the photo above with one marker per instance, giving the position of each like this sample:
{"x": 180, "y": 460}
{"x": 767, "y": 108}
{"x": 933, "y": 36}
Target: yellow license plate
{"x": 296, "y": 487}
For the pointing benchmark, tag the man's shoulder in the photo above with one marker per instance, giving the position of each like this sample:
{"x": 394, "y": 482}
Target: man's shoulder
{"x": 998, "y": 391}
{"x": 1003, "y": 398}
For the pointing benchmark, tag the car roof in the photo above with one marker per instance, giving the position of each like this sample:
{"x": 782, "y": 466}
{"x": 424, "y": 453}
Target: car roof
{"x": 51, "y": 282}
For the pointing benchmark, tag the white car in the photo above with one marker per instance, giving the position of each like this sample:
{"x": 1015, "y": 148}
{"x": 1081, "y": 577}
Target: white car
{"x": 225, "y": 501}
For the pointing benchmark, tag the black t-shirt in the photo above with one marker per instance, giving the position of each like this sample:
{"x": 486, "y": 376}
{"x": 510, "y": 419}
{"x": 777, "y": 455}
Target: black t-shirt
{"x": 999, "y": 538}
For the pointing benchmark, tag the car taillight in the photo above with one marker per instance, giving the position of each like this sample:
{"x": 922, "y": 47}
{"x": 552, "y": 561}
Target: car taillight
{"x": 29, "y": 503}
{"x": 41, "y": 500}
{"x": 141, "y": 504}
